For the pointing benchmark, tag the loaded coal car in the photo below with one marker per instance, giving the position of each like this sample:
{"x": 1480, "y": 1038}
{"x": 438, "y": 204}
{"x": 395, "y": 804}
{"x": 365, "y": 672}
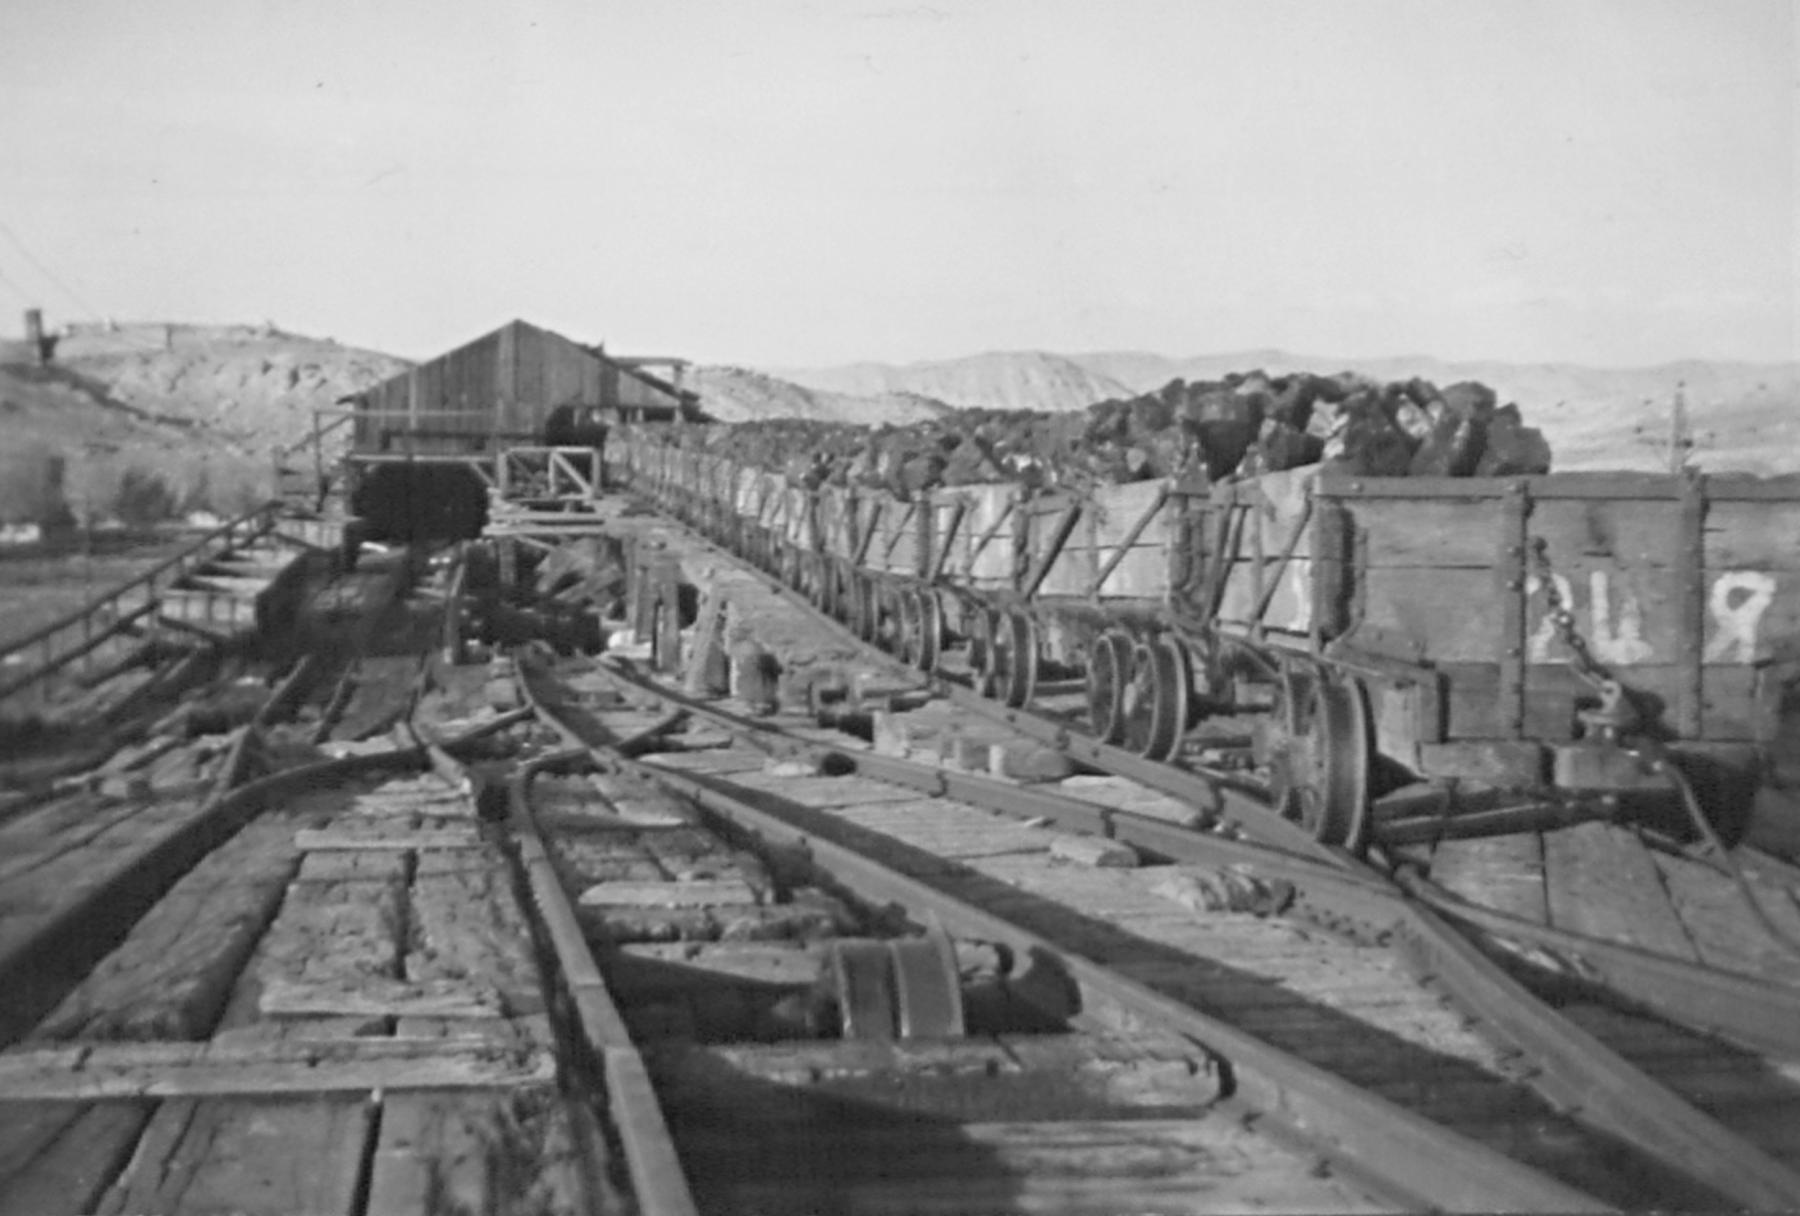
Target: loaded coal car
{"x": 1403, "y": 656}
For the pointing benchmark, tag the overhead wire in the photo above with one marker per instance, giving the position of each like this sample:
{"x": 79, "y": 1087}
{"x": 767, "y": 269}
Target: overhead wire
{"x": 55, "y": 279}
{"x": 24, "y": 298}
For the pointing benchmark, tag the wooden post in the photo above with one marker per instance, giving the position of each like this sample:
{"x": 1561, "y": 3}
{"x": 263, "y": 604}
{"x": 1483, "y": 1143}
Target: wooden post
{"x": 1512, "y": 586}
{"x": 1690, "y": 593}
{"x": 34, "y": 336}
{"x": 1059, "y": 536}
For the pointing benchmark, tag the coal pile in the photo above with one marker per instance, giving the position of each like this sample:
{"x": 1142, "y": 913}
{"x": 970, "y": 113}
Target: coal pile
{"x": 1242, "y": 426}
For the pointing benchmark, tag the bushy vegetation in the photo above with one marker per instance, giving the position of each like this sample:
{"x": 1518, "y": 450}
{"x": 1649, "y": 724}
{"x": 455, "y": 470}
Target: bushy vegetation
{"x": 144, "y": 499}
{"x": 32, "y": 488}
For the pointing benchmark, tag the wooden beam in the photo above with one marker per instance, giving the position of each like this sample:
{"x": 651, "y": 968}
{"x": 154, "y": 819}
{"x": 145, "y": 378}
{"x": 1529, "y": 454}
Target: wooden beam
{"x": 373, "y": 996}
{"x": 185, "y": 1070}
{"x": 1059, "y": 537}
{"x": 309, "y": 840}
{"x": 958, "y": 512}
{"x": 868, "y": 535}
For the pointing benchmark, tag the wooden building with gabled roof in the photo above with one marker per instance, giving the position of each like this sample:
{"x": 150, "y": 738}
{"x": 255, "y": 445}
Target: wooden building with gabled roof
{"x": 502, "y": 389}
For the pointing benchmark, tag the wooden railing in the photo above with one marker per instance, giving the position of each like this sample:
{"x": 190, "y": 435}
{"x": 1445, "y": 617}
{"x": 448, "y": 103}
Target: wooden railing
{"x": 75, "y": 634}
{"x": 315, "y": 439}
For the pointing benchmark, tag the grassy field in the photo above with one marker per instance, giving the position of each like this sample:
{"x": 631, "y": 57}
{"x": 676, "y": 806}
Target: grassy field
{"x": 36, "y": 588}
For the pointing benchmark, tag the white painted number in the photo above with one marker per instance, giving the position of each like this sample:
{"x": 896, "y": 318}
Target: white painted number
{"x": 1614, "y": 637}
{"x": 1740, "y": 619}
{"x": 1615, "y": 630}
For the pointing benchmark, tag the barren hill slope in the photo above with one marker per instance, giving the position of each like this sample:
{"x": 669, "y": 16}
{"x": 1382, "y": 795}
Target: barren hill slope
{"x": 1002, "y": 380}
{"x": 738, "y": 394}
{"x": 191, "y": 413}
{"x": 251, "y": 382}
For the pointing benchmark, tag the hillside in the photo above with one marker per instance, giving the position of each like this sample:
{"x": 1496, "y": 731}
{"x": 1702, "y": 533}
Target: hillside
{"x": 252, "y": 383}
{"x": 738, "y": 394}
{"x": 148, "y": 417}
{"x": 1017, "y": 380}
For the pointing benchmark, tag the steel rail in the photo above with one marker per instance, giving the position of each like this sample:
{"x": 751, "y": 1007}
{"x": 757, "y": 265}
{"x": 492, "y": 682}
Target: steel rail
{"x": 1759, "y": 1014}
{"x": 658, "y": 1181}
{"x": 1577, "y": 1071}
{"x": 1416, "y": 1163}
{"x": 1363, "y": 896}
{"x": 1581, "y": 1072}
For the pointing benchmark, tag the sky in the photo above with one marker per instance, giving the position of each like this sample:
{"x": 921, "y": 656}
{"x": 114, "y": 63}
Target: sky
{"x": 777, "y": 182}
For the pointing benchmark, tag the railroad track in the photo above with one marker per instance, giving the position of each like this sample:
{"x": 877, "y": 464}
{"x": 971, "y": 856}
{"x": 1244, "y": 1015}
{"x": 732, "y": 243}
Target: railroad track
{"x": 871, "y": 1097}
{"x": 602, "y": 946}
{"x": 367, "y": 998}
{"x": 1687, "y": 1099}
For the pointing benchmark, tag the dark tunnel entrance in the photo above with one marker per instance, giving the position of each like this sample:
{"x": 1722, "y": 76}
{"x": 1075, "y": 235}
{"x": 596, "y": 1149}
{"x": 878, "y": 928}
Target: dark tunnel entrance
{"x": 404, "y": 503}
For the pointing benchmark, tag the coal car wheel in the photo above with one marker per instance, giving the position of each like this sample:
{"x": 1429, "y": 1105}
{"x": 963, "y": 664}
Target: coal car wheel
{"x": 1329, "y": 765}
{"x": 828, "y": 586}
{"x": 986, "y": 652}
{"x": 931, "y": 630}
{"x": 1108, "y": 673}
{"x": 927, "y": 988}
{"x": 1171, "y": 693}
{"x": 866, "y": 611}
{"x": 1288, "y": 724}
{"x": 840, "y": 592}
{"x": 1019, "y": 641}
{"x": 996, "y": 657}
{"x": 909, "y": 648}
{"x": 1136, "y": 698}
{"x": 890, "y": 627}
{"x": 863, "y": 974}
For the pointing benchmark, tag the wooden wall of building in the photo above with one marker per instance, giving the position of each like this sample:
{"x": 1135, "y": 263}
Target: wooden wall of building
{"x": 496, "y": 391}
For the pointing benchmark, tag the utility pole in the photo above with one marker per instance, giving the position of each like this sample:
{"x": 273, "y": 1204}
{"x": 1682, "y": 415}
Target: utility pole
{"x": 1681, "y": 434}
{"x": 1678, "y": 442}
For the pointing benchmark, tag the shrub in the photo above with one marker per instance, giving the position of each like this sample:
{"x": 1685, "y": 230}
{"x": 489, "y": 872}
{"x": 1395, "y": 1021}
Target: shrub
{"x": 143, "y": 499}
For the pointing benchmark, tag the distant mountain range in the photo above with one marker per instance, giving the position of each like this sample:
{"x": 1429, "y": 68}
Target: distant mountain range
{"x": 1744, "y": 415}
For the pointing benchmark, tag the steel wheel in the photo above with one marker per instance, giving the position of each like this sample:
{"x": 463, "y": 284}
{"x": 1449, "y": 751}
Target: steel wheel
{"x": 996, "y": 665}
{"x": 1018, "y": 643}
{"x": 931, "y": 630}
{"x": 1108, "y": 673}
{"x": 1329, "y": 763}
{"x": 890, "y": 625}
{"x": 1287, "y": 723}
{"x": 1135, "y": 699}
{"x": 1171, "y": 693}
{"x": 910, "y": 625}
{"x": 838, "y": 599}
{"x": 866, "y": 611}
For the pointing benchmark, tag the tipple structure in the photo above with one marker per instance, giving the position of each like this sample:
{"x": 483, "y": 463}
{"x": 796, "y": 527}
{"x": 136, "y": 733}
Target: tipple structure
{"x": 522, "y": 411}
{"x": 1403, "y": 655}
